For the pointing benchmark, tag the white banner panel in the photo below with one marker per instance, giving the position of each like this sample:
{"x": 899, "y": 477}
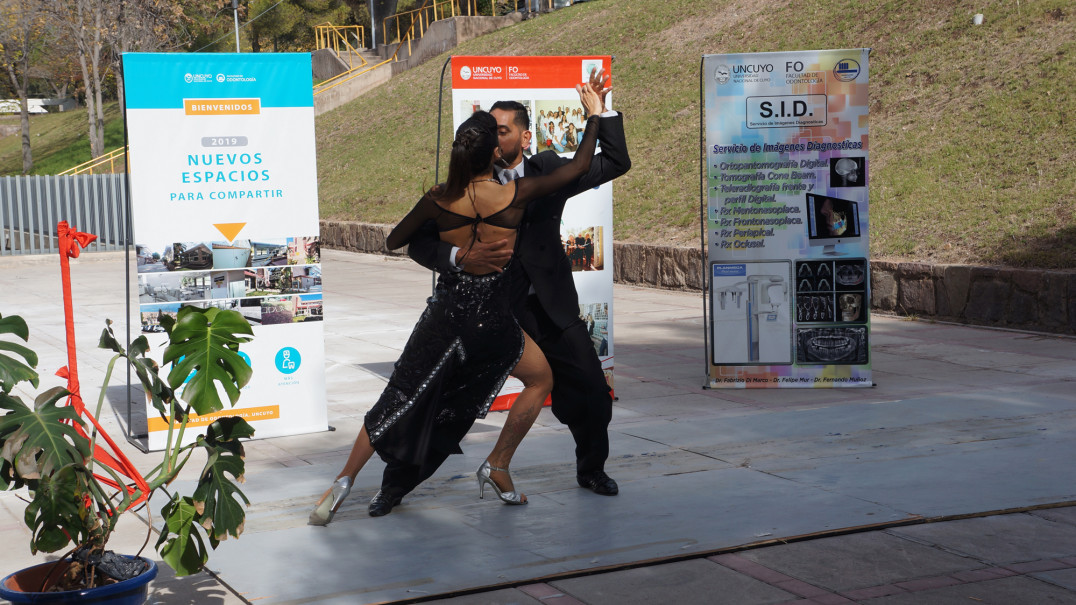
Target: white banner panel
{"x": 787, "y": 218}
{"x": 224, "y": 197}
{"x": 546, "y": 86}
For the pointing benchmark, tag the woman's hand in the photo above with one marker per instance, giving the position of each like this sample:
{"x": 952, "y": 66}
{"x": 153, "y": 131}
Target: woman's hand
{"x": 592, "y": 103}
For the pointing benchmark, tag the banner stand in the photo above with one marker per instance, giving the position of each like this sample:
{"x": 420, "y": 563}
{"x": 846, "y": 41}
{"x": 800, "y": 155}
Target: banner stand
{"x": 141, "y": 439}
{"x": 702, "y": 229}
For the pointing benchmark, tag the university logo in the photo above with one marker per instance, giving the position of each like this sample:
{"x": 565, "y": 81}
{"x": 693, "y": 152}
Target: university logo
{"x": 846, "y": 70}
{"x": 722, "y": 73}
{"x": 465, "y": 72}
{"x": 188, "y": 78}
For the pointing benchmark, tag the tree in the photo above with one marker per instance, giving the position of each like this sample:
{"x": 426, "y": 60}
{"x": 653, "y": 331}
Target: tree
{"x": 362, "y": 9}
{"x": 207, "y": 25}
{"x": 22, "y": 39}
{"x": 58, "y": 69}
{"x": 142, "y": 25}
{"x": 83, "y": 23}
{"x": 289, "y": 25}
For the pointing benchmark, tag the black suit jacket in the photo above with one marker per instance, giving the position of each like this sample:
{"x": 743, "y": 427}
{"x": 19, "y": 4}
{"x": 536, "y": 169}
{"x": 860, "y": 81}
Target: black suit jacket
{"x": 539, "y": 255}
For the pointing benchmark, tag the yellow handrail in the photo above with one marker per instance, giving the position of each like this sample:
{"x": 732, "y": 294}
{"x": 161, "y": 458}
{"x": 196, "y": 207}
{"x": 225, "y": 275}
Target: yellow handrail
{"x": 335, "y": 38}
{"x": 444, "y": 8}
{"x": 354, "y": 73}
{"x": 116, "y": 156}
{"x": 421, "y": 16}
{"x": 338, "y": 79}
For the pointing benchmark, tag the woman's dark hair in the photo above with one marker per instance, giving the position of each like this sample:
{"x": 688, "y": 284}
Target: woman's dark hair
{"x": 472, "y": 149}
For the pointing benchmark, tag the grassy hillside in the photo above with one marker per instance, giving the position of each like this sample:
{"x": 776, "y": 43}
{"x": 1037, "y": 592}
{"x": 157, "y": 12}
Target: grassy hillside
{"x": 58, "y": 140}
{"x": 973, "y": 152}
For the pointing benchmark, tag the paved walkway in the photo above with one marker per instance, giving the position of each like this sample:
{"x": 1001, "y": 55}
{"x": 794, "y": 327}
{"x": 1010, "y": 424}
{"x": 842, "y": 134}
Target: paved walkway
{"x": 892, "y": 494}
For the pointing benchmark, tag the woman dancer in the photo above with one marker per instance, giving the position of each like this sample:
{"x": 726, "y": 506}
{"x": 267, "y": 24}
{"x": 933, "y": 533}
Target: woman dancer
{"x": 466, "y": 342}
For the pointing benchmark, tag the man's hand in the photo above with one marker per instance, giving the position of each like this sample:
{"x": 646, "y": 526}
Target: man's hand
{"x": 485, "y": 257}
{"x": 599, "y": 83}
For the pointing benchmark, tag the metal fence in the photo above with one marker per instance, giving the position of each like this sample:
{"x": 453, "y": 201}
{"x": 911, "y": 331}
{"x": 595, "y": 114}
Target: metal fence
{"x": 30, "y": 207}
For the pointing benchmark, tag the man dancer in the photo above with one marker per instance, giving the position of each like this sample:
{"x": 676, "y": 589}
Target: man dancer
{"x": 544, "y": 300}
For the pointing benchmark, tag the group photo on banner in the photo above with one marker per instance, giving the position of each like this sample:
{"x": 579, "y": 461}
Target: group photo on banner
{"x": 785, "y": 174}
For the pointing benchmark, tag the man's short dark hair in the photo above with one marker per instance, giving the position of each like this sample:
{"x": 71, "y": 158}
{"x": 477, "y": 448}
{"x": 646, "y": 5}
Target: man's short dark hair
{"x": 523, "y": 118}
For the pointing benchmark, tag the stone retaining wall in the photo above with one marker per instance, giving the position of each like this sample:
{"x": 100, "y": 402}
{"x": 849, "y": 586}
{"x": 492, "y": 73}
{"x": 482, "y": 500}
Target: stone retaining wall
{"x": 1025, "y": 299}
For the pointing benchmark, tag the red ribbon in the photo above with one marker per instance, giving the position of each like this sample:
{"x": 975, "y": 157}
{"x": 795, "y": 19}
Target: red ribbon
{"x": 71, "y": 244}
{"x": 71, "y": 241}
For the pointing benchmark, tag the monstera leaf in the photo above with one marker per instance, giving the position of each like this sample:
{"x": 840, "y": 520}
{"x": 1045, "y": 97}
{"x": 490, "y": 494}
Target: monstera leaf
{"x": 214, "y": 507}
{"x": 181, "y": 544}
{"x": 145, "y": 367}
{"x": 56, "y": 515}
{"x": 38, "y": 442}
{"x": 205, "y": 342}
{"x": 215, "y": 496}
{"x": 108, "y": 339}
{"x": 13, "y": 371}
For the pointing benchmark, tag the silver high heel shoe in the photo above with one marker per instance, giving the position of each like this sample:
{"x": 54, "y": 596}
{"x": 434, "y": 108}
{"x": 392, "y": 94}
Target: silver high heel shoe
{"x": 484, "y": 478}
{"x": 326, "y": 508}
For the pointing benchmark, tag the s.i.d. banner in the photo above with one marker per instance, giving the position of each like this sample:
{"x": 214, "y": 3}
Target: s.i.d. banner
{"x": 787, "y": 214}
{"x": 546, "y": 87}
{"x": 223, "y": 186}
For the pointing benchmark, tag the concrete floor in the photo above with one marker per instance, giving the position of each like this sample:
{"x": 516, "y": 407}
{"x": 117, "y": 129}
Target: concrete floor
{"x": 961, "y": 421}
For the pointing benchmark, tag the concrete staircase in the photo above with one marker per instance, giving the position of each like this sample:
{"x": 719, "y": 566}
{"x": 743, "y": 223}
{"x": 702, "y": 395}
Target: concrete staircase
{"x": 328, "y": 63}
{"x": 441, "y": 37}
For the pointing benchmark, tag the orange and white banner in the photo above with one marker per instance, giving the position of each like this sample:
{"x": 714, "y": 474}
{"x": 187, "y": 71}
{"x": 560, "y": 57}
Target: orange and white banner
{"x": 546, "y": 87}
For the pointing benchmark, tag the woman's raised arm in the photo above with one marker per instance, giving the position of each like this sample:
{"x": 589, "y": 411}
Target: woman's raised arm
{"x": 426, "y": 209}
{"x": 530, "y": 188}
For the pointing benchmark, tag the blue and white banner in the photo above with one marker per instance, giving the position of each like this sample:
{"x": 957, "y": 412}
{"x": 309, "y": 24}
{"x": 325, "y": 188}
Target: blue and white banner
{"x": 224, "y": 199}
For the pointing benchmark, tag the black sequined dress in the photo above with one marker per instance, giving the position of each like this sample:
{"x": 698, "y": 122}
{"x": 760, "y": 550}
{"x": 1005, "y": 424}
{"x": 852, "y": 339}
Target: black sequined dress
{"x": 452, "y": 367}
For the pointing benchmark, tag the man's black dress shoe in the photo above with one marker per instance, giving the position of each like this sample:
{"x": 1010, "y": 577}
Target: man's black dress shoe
{"x": 598, "y": 482}
{"x": 381, "y": 504}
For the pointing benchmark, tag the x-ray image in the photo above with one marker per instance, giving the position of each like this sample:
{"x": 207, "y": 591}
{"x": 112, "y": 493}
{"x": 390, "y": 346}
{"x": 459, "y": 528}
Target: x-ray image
{"x": 850, "y": 275}
{"x": 814, "y": 307}
{"x": 831, "y": 291}
{"x": 851, "y": 306}
{"x": 847, "y": 172}
{"x": 842, "y": 346}
{"x": 814, "y": 276}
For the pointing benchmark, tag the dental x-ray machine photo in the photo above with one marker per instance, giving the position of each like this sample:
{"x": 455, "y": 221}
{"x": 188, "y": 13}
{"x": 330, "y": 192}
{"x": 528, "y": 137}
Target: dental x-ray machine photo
{"x": 752, "y": 322}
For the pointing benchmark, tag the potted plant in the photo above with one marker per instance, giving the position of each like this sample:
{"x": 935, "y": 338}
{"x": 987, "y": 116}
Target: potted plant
{"x": 53, "y": 452}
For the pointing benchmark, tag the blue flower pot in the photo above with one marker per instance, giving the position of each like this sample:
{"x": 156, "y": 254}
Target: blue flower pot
{"x": 128, "y": 592}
